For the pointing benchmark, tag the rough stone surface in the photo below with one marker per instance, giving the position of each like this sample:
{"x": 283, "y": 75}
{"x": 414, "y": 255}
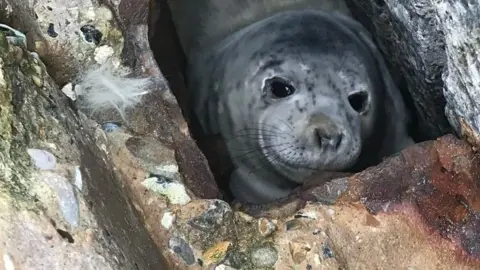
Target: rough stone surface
{"x": 46, "y": 222}
{"x": 458, "y": 20}
{"x": 435, "y": 45}
{"x": 407, "y": 32}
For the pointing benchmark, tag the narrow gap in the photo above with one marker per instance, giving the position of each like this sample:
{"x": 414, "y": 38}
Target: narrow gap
{"x": 66, "y": 235}
{"x": 171, "y": 60}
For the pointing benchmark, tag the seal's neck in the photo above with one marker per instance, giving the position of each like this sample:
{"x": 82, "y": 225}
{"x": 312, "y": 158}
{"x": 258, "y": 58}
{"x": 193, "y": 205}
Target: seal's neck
{"x": 202, "y": 23}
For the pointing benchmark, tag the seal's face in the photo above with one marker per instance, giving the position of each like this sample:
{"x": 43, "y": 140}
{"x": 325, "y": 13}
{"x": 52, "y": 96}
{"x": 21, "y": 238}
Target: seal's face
{"x": 312, "y": 116}
{"x": 312, "y": 100}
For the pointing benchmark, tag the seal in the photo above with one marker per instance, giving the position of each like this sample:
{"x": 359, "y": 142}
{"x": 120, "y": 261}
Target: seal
{"x": 294, "y": 87}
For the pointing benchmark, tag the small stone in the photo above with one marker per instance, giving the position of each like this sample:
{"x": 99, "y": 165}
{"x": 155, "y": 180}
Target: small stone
{"x": 216, "y": 215}
{"x": 42, "y": 159}
{"x": 264, "y": 257}
{"x": 224, "y": 267}
{"x": 51, "y": 30}
{"x": 66, "y": 197}
{"x": 265, "y": 227}
{"x": 327, "y": 252}
{"x": 8, "y": 262}
{"x": 111, "y": 126}
{"x": 167, "y": 220}
{"x": 103, "y": 53}
{"x": 14, "y": 36}
{"x": 175, "y": 192}
{"x": 299, "y": 251}
{"x": 68, "y": 91}
{"x": 182, "y": 249}
{"x": 216, "y": 253}
{"x": 294, "y": 224}
{"x": 78, "y": 182}
{"x": 91, "y": 34}
{"x": 306, "y": 215}
{"x": 37, "y": 80}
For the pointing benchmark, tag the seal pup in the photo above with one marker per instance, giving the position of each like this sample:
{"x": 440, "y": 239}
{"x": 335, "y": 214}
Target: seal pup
{"x": 293, "y": 86}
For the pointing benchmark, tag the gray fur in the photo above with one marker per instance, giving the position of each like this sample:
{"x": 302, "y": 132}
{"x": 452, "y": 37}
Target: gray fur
{"x": 325, "y": 56}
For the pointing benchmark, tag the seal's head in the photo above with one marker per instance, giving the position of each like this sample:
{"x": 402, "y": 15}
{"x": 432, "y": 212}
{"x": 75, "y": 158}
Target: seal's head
{"x": 299, "y": 93}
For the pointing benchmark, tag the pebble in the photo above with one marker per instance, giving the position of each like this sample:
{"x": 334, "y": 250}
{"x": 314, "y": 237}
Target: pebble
{"x": 8, "y": 262}
{"x": 327, "y": 252}
{"x": 175, "y": 192}
{"x": 265, "y": 227}
{"x": 306, "y": 215}
{"x": 217, "y": 253}
{"x": 110, "y": 126}
{"x": 66, "y": 196}
{"x": 218, "y": 213}
{"x": 224, "y": 267}
{"x": 264, "y": 257}
{"x": 167, "y": 220}
{"x": 68, "y": 91}
{"x": 103, "y": 53}
{"x": 42, "y": 159}
{"x": 18, "y": 37}
{"x": 294, "y": 224}
{"x": 182, "y": 249}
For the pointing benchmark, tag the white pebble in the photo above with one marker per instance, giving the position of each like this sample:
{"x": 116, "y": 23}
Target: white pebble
{"x": 68, "y": 91}
{"x": 78, "y": 182}
{"x": 223, "y": 267}
{"x": 167, "y": 220}
{"x": 42, "y": 159}
{"x": 175, "y": 192}
{"x": 7, "y": 262}
{"x": 102, "y": 53}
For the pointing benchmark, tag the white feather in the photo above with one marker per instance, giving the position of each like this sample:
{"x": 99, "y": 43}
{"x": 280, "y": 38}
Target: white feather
{"x": 107, "y": 87}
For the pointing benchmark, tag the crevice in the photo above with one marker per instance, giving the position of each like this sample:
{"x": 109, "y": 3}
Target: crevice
{"x": 171, "y": 60}
{"x": 66, "y": 235}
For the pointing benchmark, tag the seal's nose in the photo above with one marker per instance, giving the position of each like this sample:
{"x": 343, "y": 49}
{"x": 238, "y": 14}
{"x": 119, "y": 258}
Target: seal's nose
{"x": 326, "y": 132}
{"x": 328, "y": 138}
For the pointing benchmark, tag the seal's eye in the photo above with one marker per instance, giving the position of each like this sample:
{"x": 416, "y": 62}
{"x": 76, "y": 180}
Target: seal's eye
{"x": 279, "y": 87}
{"x": 359, "y": 101}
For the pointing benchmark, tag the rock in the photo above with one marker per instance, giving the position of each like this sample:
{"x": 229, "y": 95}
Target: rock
{"x": 434, "y": 44}
{"x": 182, "y": 249}
{"x": 458, "y": 21}
{"x": 266, "y": 226}
{"x": 407, "y": 33}
{"x": 264, "y": 257}
{"x": 216, "y": 254}
{"x": 41, "y": 215}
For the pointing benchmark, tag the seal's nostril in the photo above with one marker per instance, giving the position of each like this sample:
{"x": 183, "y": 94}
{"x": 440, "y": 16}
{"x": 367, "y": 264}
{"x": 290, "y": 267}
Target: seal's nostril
{"x": 318, "y": 137}
{"x": 339, "y": 141}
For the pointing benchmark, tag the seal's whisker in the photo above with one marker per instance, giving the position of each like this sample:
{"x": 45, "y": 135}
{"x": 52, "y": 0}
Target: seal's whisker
{"x": 269, "y": 160}
{"x": 250, "y": 150}
{"x": 253, "y": 156}
{"x": 259, "y": 132}
{"x": 273, "y": 127}
{"x": 286, "y": 124}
